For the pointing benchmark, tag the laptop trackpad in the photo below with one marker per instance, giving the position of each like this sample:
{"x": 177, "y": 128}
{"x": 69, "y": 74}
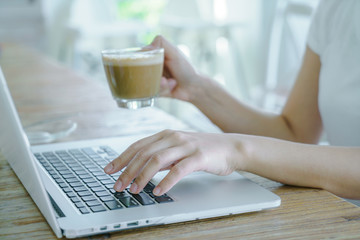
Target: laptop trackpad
{"x": 204, "y": 187}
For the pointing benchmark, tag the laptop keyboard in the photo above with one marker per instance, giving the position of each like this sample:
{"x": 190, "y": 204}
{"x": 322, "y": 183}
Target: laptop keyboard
{"x": 80, "y": 174}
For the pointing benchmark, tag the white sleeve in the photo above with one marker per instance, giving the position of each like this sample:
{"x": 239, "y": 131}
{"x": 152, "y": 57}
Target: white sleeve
{"x": 316, "y": 39}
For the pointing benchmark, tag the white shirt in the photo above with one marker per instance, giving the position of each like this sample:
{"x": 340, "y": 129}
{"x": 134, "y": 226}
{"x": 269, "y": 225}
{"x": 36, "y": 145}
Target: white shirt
{"x": 335, "y": 36}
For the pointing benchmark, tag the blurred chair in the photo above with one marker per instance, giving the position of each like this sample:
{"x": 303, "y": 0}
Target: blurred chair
{"x": 286, "y": 47}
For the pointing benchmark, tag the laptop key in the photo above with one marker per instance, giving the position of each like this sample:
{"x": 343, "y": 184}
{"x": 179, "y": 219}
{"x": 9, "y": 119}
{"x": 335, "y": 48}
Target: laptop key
{"x": 93, "y": 185}
{"x": 93, "y": 203}
{"x": 143, "y": 199}
{"x": 96, "y": 158}
{"x": 84, "y": 176}
{"x": 72, "y": 180}
{"x": 67, "y": 158}
{"x": 61, "y": 168}
{"x": 56, "y": 176}
{"x": 128, "y": 202}
{"x": 110, "y": 185}
{"x": 59, "y": 165}
{"x": 164, "y": 199}
{"x": 122, "y": 194}
{"x": 48, "y": 168}
{"x": 67, "y": 189}
{"x": 75, "y": 199}
{"x": 66, "y": 173}
{"x": 89, "y": 198}
{"x": 71, "y": 194}
{"x": 112, "y": 190}
{"x": 106, "y": 198}
{"x": 98, "y": 173}
{"x": 80, "y": 189}
{"x": 61, "y": 152}
{"x": 88, "y": 150}
{"x": 93, "y": 168}
{"x": 112, "y": 205}
{"x": 98, "y": 189}
{"x": 73, "y": 164}
{"x": 153, "y": 196}
{"x": 79, "y": 205}
{"x": 48, "y": 154}
{"x": 76, "y": 184}
{"x": 99, "y": 208}
{"x": 89, "y": 180}
{"x": 84, "y": 210}
{"x": 102, "y": 163}
{"x": 63, "y": 185}
{"x": 102, "y": 194}
{"x": 59, "y": 180}
{"x": 103, "y": 178}
{"x": 80, "y": 171}
{"x": 108, "y": 181}
{"x": 85, "y": 193}
{"x": 149, "y": 187}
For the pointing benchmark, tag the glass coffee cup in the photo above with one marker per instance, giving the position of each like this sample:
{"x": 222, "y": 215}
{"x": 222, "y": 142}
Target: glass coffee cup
{"x": 134, "y": 75}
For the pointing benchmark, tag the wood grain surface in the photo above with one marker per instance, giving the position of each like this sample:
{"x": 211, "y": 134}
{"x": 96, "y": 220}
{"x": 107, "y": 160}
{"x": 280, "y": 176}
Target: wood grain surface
{"x": 43, "y": 89}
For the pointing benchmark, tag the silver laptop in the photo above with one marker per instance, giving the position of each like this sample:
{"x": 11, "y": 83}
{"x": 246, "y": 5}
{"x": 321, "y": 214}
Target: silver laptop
{"x": 67, "y": 183}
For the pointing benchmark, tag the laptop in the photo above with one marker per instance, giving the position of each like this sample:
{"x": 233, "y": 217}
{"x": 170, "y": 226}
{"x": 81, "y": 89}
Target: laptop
{"x": 68, "y": 185}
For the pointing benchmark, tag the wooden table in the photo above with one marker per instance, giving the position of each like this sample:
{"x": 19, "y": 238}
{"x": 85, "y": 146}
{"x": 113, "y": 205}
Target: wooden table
{"x": 43, "y": 89}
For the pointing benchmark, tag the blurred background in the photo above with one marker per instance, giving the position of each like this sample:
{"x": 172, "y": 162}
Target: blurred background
{"x": 253, "y": 48}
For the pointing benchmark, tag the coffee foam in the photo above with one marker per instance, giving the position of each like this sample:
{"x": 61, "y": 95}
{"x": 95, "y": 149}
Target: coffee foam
{"x": 133, "y": 60}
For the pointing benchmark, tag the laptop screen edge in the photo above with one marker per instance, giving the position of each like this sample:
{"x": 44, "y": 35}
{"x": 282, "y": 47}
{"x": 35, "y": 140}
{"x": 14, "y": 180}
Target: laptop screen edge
{"x": 15, "y": 148}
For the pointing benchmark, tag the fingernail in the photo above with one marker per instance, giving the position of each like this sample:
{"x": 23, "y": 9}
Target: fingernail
{"x": 133, "y": 188}
{"x": 117, "y": 186}
{"x": 108, "y": 168}
{"x": 157, "y": 191}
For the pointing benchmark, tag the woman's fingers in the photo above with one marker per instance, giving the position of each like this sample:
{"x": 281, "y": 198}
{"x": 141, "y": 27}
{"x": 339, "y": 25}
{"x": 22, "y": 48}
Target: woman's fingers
{"x": 171, "y": 52}
{"x": 160, "y": 160}
{"x": 167, "y": 86}
{"x": 148, "y": 154}
{"x": 123, "y": 160}
{"x": 176, "y": 173}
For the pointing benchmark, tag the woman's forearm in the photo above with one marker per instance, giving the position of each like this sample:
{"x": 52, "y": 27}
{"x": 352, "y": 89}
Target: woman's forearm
{"x": 336, "y": 169}
{"x": 230, "y": 115}
{"x": 299, "y": 121}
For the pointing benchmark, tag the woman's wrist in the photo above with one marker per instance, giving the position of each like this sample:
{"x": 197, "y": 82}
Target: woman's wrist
{"x": 244, "y": 151}
{"x": 201, "y": 89}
